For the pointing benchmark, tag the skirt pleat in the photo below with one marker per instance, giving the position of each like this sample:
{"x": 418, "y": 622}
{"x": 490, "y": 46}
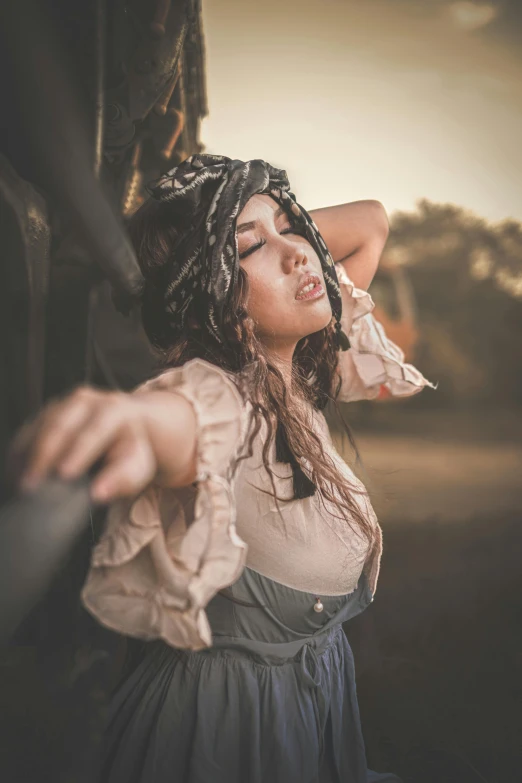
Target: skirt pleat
{"x": 219, "y": 716}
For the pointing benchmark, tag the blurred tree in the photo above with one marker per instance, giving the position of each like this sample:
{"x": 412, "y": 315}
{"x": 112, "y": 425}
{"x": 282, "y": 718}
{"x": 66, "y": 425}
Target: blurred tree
{"x": 467, "y": 277}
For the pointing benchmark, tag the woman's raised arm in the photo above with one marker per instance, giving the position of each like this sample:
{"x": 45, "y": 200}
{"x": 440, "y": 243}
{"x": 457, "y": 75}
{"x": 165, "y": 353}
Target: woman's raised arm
{"x": 355, "y": 235}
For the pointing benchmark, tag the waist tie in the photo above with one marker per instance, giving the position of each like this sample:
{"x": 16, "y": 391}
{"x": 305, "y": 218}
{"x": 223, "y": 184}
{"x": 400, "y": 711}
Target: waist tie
{"x": 311, "y": 674}
{"x": 305, "y": 651}
{"x": 276, "y": 651}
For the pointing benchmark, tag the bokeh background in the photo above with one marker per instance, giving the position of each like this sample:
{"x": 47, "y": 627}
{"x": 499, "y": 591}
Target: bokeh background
{"x": 416, "y": 103}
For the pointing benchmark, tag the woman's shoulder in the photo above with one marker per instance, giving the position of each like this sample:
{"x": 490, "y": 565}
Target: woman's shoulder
{"x": 192, "y": 371}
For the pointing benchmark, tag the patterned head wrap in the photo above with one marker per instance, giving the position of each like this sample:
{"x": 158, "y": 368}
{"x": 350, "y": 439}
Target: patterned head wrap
{"x": 208, "y": 192}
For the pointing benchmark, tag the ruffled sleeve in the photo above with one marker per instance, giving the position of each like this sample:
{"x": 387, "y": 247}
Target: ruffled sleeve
{"x": 373, "y": 360}
{"x": 152, "y": 574}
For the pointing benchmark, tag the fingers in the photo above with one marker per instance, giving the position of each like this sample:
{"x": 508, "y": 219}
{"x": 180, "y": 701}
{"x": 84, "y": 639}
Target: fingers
{"x": 130, "y": 466}
{"x": 71, "y": 435}
{"x": 17, "y": 451}
{"x": 95, "y": 437}
{"x": 42, "y": 443}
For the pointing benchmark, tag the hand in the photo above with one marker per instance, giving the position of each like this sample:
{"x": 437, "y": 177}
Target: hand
{"x": 70, "y": 435}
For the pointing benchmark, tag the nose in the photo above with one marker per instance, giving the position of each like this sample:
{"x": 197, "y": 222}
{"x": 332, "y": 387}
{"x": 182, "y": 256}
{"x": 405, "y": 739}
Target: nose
{"x": 301, "y": 256}
{"x": 295, "y": 256}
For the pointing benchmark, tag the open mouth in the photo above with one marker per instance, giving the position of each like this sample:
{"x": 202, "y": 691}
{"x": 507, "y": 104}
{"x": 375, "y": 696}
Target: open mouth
{"x": 312, "y": 288}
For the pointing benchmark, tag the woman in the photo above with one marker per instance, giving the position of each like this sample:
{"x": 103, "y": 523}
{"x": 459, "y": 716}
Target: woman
{"x": 237, "y": 538}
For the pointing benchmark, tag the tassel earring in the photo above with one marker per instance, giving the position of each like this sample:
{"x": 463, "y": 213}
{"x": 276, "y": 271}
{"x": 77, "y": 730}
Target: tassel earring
{"x": 341, "y": 338}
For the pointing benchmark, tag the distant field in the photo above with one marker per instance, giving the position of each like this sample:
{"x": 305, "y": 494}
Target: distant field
{"x": 438, "y": 652}
{"x": 436, "y": 468}
{"x": 407, "y": 417}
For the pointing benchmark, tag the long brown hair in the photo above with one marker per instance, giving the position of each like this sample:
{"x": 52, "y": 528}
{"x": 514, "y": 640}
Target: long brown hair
{"x": 154, "y": 233}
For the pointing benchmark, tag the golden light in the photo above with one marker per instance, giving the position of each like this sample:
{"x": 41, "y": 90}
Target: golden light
{"x": 472, "y": 16}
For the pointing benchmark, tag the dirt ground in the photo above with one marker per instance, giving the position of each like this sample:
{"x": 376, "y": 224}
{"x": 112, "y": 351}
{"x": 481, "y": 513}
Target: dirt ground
{"x": 414, "y": 478}
{"x": 438, "y": 652}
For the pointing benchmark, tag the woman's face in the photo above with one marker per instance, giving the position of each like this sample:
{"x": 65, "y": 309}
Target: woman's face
{"x": 278, "y": 261}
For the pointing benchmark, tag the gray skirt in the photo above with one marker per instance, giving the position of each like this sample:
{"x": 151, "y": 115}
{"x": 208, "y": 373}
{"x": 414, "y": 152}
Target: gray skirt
{"x": 272, "y": 701}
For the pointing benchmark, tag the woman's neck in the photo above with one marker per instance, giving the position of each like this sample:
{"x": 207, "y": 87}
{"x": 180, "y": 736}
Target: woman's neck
{"x": 295, "y": 396}
{"x": 284, "y": 363}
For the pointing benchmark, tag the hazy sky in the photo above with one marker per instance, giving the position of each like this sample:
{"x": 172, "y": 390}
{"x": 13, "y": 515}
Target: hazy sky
{"x": 385, "y": 99}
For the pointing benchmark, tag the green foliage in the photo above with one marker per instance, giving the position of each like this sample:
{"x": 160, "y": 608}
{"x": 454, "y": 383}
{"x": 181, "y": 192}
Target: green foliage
{"x": 467, "y": 278}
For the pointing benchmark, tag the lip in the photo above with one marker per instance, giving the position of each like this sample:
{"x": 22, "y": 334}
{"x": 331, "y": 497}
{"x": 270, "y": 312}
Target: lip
{"x": 317, "y": 290}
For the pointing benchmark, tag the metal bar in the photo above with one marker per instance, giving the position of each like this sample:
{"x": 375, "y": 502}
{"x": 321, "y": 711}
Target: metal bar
{"x": 163, "y": 103}
{"x": 37, "y": 532}
{"x": 157, "y": 26}
{"x": 55, "y": 125}
{"x": 101, "y": 30}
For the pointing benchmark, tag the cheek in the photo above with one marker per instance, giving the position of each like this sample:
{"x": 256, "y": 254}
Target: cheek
{"x": 265, "y": 298}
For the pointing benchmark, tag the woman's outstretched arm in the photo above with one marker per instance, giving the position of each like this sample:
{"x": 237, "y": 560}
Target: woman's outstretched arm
{"x": 140, "y": 437}
{"x": 355, "y": 234}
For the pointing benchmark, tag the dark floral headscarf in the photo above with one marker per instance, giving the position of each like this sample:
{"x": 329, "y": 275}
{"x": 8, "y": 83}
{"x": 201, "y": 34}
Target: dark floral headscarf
{"x": 208, "y": 192}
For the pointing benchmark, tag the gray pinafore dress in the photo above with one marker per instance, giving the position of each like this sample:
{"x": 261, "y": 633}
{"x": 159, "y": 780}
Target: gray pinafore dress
{"x": 272, "y": 701}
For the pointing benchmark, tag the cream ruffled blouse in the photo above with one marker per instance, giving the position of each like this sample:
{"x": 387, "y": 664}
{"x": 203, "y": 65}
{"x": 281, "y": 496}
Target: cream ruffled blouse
{"x": 166, "y": 553}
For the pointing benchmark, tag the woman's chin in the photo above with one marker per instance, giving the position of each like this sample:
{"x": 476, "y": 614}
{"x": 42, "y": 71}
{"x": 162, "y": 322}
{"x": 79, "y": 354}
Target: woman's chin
{"x": 317, "y": 321}
{"x": 298, "y": 328}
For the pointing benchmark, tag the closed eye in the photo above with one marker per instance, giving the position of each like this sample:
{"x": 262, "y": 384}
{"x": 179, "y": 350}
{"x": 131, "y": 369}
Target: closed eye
{"x": 259, "y": 245}
{"x": 252, "y": 249}
{"x": 293, "y": 230}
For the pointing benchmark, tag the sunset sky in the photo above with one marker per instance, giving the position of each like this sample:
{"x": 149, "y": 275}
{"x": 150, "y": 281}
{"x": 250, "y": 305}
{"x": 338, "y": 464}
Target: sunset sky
{"x": 386, "y": 99}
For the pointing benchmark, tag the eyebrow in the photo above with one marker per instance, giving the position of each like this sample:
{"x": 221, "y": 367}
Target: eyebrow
{"x": 248, "y": 226}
